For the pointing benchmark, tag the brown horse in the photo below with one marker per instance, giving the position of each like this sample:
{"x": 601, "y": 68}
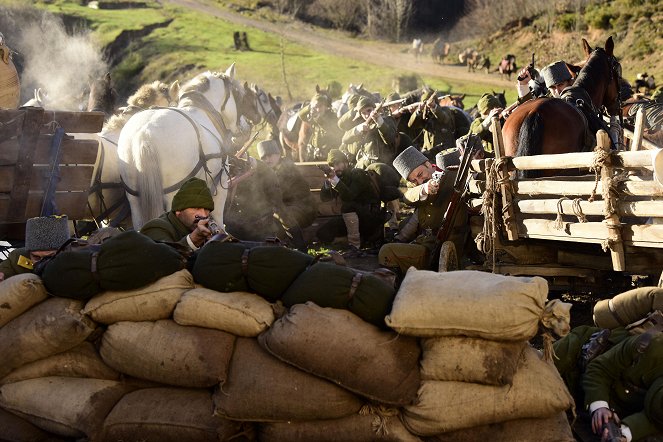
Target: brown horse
{"x": 551, "y": 125}
{"x": 103, "y": 96}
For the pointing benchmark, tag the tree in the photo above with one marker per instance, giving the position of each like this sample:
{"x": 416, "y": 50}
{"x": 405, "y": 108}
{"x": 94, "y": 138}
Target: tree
{"x": 387, "y": 18}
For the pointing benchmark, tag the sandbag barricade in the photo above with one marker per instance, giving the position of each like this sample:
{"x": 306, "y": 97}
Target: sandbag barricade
{"x": 238, "y": 267}
{"x": 17, "y": 429}
{"x": 149, "y": 303}
{"x": 240, "y": 313}
{"x": 628, "y": 307}
{"x": 331, "y": 285}
{"x": 376, "y": 364}
{"x": 18, "y": 294}
{"x": 127, "y": 261}
{"x": 170, "y": 415}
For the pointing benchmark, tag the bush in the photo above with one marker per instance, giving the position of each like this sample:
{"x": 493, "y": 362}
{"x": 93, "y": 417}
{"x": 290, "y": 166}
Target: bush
{"x": 599, "y": 18}
{"x": 566, "y": 22}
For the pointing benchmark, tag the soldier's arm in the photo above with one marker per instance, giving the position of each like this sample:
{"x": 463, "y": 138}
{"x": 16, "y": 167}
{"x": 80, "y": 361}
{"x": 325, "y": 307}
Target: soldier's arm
{"x": 160, "y": 230}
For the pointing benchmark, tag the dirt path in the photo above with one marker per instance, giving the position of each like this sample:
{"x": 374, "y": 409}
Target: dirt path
{"x": 383, "y": 54}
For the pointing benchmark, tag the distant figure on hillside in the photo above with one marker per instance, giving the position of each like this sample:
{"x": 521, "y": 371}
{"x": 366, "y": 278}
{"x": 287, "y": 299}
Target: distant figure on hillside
{"x": 417, "y": 48}
{"x": 245, "y": 42}
{"x": 237, "y": 41}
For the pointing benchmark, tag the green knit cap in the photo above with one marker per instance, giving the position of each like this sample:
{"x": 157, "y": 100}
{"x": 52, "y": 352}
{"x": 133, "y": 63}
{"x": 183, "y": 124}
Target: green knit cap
{"x": 486, "y": 103}
{"x": 194, "y": 193}
{"x": 336, "y": 156}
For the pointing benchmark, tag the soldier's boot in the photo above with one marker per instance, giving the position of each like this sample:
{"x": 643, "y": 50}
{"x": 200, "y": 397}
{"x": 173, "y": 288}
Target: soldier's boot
{"x": 351, "y": 220}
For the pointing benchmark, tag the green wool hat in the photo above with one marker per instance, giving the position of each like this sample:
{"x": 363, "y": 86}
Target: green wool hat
{"x": 194, "y": 193}
{"x": 363, "y": 102}
{"x": 486, "y": 103}
{"x": 336, "y": 156}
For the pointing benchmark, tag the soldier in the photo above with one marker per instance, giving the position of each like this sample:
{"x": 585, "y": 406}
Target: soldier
{"x": 435, "y": 123}
{"x": 319, "y": 132}
{"x": 489, "y": 107}
{"x": 362, "y": 216}
{"x": 375, "y": 135}
{"x": 429, "y": 191}
{"x": 297, "y": 197}
{"x": 43, "y": 237}
{"x": 557, "y": 77}
{"x": 237, "y": 41}
{"x": 188, "y": 221}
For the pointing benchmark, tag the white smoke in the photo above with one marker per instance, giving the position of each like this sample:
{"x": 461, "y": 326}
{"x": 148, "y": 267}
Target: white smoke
{"x": 62, "y": 65}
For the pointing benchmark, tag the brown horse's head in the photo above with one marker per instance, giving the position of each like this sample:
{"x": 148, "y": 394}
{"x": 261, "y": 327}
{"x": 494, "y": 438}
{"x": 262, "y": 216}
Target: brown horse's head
{"x": 601, "y": 76}
{"x": 103, "y": 96}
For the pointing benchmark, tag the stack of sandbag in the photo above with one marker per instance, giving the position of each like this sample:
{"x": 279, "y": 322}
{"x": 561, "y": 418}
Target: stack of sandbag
{"x": 479, "y": 375}
{"x": 628, "y": 307}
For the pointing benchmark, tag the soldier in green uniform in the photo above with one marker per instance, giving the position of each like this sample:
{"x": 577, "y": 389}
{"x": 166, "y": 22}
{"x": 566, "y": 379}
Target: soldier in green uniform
{"x": 297, "y": 196}
{"x": 375, "y": 136}
{"x": 429, "y": 191}
{"x": 43, "y": 237}
{"x": 362, "y": 216}
{"x": 489, "y": 107}
{"x": 435, "y": 123}
{"x": 188, "y": 220}
{"x": 319, "y": 132}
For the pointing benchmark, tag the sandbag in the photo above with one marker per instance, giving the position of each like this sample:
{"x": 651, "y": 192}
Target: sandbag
{"x": 82, "y": 361}
{"x": 469, "y": 303}
{"x": 18, "y": 294}
{"x": 70, "y": 407}
{"x": 127, "y": 261}
{"x": 168, "y": 415}
{"x": 331, "y": 285}
{"x": 360, "y": 427}
{"x": 377, "y": 364}
{"x": 628, "y": 307}
{"x": 150, "y": 303}
{"x": 555, "y": 428}
{"x": 166, "y": 352}
{"x": 239, "y": 313}
{"x": 537, "y": 391}
{"x": 261, "y": 388}
{"x": 265, "y": 270}
{"x": 54, "y": 326}
{"x": 457, "y": 358}
{"x": 17, "y": 429}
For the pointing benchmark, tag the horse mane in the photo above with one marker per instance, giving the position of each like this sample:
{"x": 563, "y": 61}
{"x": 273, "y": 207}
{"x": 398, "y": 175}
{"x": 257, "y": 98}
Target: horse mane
{"x": 147, "y": 93}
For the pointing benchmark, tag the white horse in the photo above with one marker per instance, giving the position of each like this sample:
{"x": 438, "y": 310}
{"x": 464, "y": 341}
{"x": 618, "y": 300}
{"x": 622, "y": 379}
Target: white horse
{"x": 107, "y": 199}
{"x": 159, "y": 149}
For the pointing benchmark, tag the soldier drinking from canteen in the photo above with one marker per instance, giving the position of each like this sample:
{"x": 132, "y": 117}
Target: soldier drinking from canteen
{"x": 43, "y": 237}
{"x": 188, "y": 221}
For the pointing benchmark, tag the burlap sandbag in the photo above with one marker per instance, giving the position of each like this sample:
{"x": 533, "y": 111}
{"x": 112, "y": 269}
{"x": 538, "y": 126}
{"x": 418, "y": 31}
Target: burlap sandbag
{"x": 166, "y": 352}
{"x": 168, "y": 415}
{"x": 468, "y": 303}
{"x": 537, "y": 391}
{"x": 237, "y": 267}
{"x": 360, "y": 427}
{"x": 261, "y": 388}
{"x": 82, "y": 361}
{"x": 17, "y": 429}
{"x": 555, "y": 428}
{"x": 18, "y": 294}
{"x": 628, "y": 307}
{"x": 335, "y": 286}
{"x": 457, "y": 358}
{"x": 359, "y": 356}
{"x": 240, "y": 313}
{"x": 54, "y": 326}
{"x": 149, "y": 303}
{"x": 70, "y": 407}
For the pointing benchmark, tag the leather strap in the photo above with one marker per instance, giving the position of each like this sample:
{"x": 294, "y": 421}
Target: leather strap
{"x": 354, "y": 285}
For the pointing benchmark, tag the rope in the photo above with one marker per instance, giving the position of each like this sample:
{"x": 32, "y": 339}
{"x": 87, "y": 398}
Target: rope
{"x": 577, "y": 211}
{"x": 559, "y": 222}
{"x": 381, "y": 414}
{"x": 600, "y": 158}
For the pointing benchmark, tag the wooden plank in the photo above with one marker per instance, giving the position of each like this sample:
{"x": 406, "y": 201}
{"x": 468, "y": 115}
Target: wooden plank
{"x": 508, "y": 212}
{"x": 544, "y": 271}
{"x": 72, "y": 178}
{"x": 624, "y": 208}
{"x": 72, "y": 151}
{"x": 82, "y": 122}
{"x": 580, "y": 160}
{"x": 72, "y": 204}
{"x": 16, "y": 211}
{"x": 636, "y": 142}
{"x": 12, "y": 127}
{"x": 646, "y": 144}
{"x": 580, "y": 188}
{"x": 610, "y": 200}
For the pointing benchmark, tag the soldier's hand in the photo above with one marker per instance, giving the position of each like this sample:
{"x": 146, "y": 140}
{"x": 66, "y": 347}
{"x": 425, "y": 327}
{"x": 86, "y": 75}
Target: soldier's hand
{"x": 600, "y": 417}
{"x": 495, "y": 112}
{"x": 432, "y": 187}
{"x": 524, "y": 75}
{"x": 201, "y": 233}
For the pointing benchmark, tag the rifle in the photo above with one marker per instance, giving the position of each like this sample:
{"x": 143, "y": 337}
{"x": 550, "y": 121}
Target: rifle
{"x": 530, "y": 69}
{"x": 375, "y": 112}
{"x": 428, "y": 104}
{"x": 472, "y": 146}
{"x": 614, "y": 432}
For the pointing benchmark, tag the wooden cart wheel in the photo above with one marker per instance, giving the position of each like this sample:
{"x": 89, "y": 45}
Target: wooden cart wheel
{"x": 448, "y": 258}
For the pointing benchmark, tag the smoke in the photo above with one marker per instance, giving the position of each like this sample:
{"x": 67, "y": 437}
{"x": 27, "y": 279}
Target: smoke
{"x": 61, "y": 63}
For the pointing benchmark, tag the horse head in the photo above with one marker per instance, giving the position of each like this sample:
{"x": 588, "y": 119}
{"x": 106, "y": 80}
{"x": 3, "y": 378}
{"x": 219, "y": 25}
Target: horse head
{"x": 103, "y": 96}
{"x": 601, "y": 76}
{"x": 262, "y": 105}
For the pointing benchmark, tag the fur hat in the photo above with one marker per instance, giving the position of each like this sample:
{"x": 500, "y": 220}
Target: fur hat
{"x": 268, "y": 147}
{"x": 408, "y": 160}
{"x": 555, "y": 73}
{"x": 448, "y": 157}
{"x": 486, "y": 103}
{"x": 393, "y": 97}
{"x": 336, "y": 156}
{"x": 46, "y": 232}
{"x": 194, "y": 193}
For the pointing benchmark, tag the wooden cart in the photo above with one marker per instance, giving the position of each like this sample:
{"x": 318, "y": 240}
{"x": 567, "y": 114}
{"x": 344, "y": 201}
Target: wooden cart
{"x": 598, "y": 231}
{"x": 42, "y": 166}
